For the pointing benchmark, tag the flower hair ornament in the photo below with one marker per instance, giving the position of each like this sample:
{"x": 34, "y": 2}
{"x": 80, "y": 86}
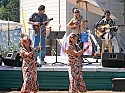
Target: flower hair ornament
{"x": 71, "y": 39}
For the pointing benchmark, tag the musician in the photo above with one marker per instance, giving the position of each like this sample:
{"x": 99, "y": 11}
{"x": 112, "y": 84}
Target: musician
{"x": 35, "y": 20}
{"x": 110, "y": 36}
{"x": 77, "y": 24}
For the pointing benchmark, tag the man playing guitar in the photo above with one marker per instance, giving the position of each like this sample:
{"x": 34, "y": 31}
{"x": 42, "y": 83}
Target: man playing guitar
{"x": 36, "y": 20}
{"x": 108, "y": 37}
{"x": 77, "y": 24}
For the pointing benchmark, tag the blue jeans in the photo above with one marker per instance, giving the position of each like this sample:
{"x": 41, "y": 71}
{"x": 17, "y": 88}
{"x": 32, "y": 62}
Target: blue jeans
{"x": 43, "y": 43}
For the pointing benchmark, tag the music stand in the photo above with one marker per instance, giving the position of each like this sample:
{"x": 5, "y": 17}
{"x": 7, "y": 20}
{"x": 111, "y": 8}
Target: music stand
{"x": 56, "y": 35}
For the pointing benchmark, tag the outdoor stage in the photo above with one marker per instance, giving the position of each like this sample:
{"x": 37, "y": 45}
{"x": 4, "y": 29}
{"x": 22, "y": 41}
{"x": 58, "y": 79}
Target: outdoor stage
{"x": 56, "y": 76}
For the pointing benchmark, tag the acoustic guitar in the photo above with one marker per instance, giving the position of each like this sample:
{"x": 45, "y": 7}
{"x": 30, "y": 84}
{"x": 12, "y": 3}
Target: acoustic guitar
{"x": 77, "y": 23}
{"x": 102, "y": 30}
{"x": 42, "y": 24}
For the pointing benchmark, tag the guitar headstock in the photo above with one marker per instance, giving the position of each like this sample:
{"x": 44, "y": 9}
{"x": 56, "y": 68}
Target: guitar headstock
{"x": 51, "y": 19}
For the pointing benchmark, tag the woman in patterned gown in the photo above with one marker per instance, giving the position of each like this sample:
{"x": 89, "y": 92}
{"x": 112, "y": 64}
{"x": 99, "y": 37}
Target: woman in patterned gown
{"x": 29, "y": 67}
{"x": 74, "y": 52}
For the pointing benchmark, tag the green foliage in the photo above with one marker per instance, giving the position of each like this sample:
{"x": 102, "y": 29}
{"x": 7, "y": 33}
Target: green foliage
{"x": 9, "y": 9}
{"x": 3, "y": 3}
{"x": 2, "y": 13}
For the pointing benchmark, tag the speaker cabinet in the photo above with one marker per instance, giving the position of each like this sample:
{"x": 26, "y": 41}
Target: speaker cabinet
{"x": 0, "y": 61}
{"x": 118, "y": 84}
{"x": 12, "y": 59}
{"x": 114, "y": 60}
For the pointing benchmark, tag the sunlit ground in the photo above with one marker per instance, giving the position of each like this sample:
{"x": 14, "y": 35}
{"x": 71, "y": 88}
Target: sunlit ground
{"x": 98, "y": 91}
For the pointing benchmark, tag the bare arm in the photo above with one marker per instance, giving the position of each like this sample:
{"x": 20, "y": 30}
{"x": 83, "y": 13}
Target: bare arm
{"x": 72, "y": 25}
{"x": 74, "y": 52}
{"x": 33, "y": 23}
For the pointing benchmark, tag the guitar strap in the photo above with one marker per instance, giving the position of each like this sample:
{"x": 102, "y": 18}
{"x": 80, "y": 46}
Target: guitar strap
{"x": 79, "y": 22}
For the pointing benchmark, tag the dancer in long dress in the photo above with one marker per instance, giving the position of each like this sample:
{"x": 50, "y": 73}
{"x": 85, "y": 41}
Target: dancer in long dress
{"x": 29, "y": 66}
{"x": 77, "y": 84}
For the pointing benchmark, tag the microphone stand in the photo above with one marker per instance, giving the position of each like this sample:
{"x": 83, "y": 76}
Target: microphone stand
{"x": 40, "y": 51}
{"x": 7, "y": 13}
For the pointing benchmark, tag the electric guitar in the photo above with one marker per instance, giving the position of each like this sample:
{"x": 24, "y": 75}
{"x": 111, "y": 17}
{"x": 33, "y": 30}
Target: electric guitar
{"x": 42, "y": 24}
{"x": 102, "y": 30}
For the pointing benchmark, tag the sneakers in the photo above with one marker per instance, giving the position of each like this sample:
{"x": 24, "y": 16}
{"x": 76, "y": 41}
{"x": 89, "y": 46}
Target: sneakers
{"x": 39, "y": 65}
{"x": 44, "y": 62}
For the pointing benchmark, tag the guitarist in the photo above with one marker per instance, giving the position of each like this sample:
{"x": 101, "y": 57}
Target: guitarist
{"x": 36, "y": 21}
{"x": 77, "y": 24}
{"x": 110, "y": 38}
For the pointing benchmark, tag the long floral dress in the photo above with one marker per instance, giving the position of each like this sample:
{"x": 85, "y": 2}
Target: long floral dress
{"x": 29, "y": 69}
{"x": 75, "y": 72}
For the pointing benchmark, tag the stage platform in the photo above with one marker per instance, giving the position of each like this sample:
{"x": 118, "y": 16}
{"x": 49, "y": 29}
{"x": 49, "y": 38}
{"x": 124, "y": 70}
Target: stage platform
{"x": 95, "y": 66}
{"x": 55, "y": 76}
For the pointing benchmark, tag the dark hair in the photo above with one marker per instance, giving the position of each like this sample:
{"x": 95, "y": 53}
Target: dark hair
{"x": 71, "y": 38}
{"x": 107, "y": 12}
{"x": 41, "y": 7}
{"x": 74, "y": 9}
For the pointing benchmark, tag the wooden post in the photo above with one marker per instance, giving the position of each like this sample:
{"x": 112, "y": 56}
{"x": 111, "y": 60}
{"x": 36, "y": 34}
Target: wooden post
{"x": 103, "y": 47}
{"x": 110, "y": 46}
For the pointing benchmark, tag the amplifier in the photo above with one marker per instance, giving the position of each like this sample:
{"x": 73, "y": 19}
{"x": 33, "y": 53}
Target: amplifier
{"x": 118, "y": 84}
{"x": 12, "y": 59}
{"x": 115, "y": 60}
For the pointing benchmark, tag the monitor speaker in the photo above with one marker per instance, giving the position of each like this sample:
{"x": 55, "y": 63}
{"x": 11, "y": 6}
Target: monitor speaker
{"x": 0, "y": 61}
{"x": 12, "y": 59}
{"x": 114, "y": 60}
{"x": 117, "y": 84}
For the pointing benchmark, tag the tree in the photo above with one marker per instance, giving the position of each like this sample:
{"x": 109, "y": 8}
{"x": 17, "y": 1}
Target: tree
{"x": 9, "y": 9}
{"x": 2, "y": 13}
{"x": 12, "y": 9}
{"x": 3, "y": 3}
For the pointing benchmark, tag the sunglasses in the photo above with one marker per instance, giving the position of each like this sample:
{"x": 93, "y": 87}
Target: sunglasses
{"x": 76, "y": 12}
{"x": 107, "y": 15}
